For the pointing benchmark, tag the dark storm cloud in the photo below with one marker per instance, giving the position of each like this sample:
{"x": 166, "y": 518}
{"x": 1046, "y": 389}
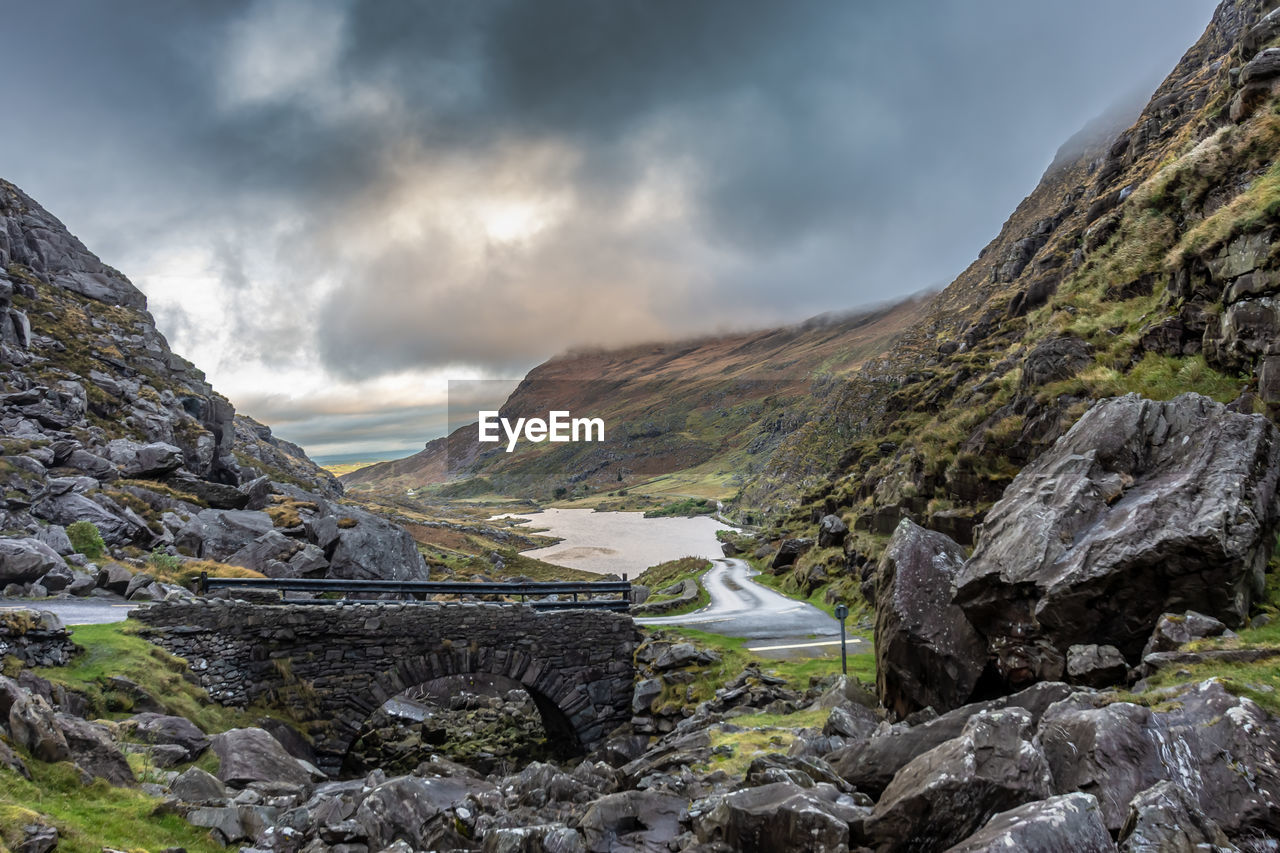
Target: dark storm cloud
{"x": 381, "y": 186}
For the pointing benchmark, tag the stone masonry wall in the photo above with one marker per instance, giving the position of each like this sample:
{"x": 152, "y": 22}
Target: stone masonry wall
{"x": 333, "y": 666}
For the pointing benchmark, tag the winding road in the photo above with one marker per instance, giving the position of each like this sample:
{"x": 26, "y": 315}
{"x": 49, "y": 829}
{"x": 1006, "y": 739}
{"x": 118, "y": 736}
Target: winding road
{"x": 75, "y": 611}
{"x": 740, "y": 607}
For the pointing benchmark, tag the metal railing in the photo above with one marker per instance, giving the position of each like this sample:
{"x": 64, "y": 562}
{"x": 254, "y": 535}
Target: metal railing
{"x": 531, "y": 593}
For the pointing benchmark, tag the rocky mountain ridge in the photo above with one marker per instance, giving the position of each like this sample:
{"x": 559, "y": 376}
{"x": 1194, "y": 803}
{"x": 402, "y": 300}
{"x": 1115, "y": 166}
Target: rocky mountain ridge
{"x": 102, "y": 424}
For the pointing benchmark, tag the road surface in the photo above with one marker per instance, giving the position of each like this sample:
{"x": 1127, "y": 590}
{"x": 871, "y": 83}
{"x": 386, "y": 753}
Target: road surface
{"x": 740, "y": 607}
{"x": 74, "y": 611}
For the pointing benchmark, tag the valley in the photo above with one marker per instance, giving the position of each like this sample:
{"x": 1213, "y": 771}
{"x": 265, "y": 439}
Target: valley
{"x": 1047, "y": 496}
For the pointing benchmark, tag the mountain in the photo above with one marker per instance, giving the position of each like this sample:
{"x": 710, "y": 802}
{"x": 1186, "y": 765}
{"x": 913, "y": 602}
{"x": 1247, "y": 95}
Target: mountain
{"x": 712, "y": 410}
{"x": 102, "y": 424}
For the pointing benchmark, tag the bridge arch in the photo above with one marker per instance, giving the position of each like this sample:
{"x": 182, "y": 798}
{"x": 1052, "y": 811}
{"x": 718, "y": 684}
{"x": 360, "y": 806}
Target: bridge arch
{"x": 334, "y": 666}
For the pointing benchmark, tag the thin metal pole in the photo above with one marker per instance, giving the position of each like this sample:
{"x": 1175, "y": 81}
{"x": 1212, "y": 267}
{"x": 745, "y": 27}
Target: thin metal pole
{"x": 844, "y": 659}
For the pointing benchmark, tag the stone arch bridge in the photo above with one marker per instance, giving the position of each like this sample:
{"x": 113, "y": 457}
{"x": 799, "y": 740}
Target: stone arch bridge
{"x": 332, "y": 666}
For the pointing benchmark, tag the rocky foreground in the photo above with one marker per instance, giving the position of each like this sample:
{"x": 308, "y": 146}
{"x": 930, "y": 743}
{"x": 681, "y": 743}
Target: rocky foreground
{"x": 1028, "y": 697}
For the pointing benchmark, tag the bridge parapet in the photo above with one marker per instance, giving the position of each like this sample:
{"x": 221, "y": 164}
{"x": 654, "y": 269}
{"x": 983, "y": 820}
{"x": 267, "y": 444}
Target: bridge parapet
{"x": 332, "y": 667}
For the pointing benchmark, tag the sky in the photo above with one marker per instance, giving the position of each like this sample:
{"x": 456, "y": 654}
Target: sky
{"x": 335, "y": 207}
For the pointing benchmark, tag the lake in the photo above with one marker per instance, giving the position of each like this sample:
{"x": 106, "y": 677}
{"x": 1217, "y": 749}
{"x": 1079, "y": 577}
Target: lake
{"x": 618, "y": 542}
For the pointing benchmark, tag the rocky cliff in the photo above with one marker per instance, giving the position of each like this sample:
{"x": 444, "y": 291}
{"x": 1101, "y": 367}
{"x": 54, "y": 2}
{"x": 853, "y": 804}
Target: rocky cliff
{"x": 1144, "y": 262}
{"x": 102, "y": 424}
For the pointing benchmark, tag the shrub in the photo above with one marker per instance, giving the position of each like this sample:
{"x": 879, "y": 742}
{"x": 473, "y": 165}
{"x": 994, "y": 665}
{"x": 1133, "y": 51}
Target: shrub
{"x": 86, "y": 539}
{"x": 162, "y": 561}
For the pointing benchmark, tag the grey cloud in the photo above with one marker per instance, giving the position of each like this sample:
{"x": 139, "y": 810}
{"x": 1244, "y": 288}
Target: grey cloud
{"x": 826, "y": 155}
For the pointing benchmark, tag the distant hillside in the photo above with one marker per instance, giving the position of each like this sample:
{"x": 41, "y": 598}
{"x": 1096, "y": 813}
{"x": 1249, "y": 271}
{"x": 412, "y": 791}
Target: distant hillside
{"x": 716, "y": 407}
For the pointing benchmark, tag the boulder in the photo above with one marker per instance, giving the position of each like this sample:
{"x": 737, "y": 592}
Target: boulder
{"x": 789, "y": 551}
{"x": 216, "y": 534}
{"x": 26, "y": 560}
{"x": 32, "y": 724}
{"x": 832, "y": 531}
{"x": 258, "y": 492}
{"x": 1143, "y": 507}
{"x": 167, "y": 729}
{"x": 779, "y": 816}
{"x": 144, "y": 460}
{"x": 406, "y": 808}
{"x": 870, "y": 766}
{"x": 117, "y": 528}
{"x": 947, "y": 794}
{"x": 927, "y": 653}
{"x": 1223, "y": 750}
{"x": 632, "y": 821}
{"x": 55, "y": 536}
{"x": 270, "y": 546}
{"x": 215, "y": 495}
{"x": 1165, "y": 818}
{"x": 194, "y": 785}
{"x": 851, "y": 720}
{"x": 253, "y": 755}
{"x": 115, "y": 577}
{"x": 94, "y": 751}
{"x": 1071, "y": 823}
{"x": 374, "y": 548}
{"x": 58, "y": 578}
{"x": 1264, "y": 66}
{"x": 1174, "y": 630}
{"x": 1096, "y": 666}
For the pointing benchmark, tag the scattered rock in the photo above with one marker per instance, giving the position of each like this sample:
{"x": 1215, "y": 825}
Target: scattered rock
{"x": 946, "y": 794}
{"x": 165, "y": 729}
{"x": 832, "y": 531}
{"x": 632, "y": 821}
{"x": 790, "y": 551}
{"x": 194, "y": 785}
{"x": 26, "y": 560}
{"x": 1096, "y": 666}
{"x": 1174, "y": 630}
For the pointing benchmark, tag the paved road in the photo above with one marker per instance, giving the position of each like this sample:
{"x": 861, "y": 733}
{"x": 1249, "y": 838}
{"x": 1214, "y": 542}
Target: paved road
{"x": 740, "y": 607}
{"x": 75, "y": 611}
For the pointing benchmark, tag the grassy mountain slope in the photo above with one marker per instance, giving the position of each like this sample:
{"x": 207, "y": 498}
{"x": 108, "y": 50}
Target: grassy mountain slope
{"x": 1145, "y": 264}
{"x": 715, "y": 408}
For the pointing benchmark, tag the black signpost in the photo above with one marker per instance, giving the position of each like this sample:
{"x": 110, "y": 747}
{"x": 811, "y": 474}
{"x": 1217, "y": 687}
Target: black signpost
{"x": 842, "y": 612}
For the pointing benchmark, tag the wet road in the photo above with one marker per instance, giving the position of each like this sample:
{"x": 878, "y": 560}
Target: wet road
{"x": 74, "y": 611}
{"x": 740, "y": 607}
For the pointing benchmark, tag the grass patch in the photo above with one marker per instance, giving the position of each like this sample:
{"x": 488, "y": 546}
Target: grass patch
{"x": 91, "y": 817}
{"x": 186, "y": 572}
{"x": 683, "y": 508}
{"x": 115, "y": 650}
{"x": 672, "y": 572}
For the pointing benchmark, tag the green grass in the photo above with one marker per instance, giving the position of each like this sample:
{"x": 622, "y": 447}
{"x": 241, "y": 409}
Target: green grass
{"x": 684, "y": 508}
{"x": 90, "y": 817}
{"x": 111, "y": 650}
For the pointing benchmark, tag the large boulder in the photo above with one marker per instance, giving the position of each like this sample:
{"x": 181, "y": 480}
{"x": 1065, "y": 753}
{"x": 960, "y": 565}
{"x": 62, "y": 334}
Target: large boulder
{"x": 370, "y": 547}
{"x": 94, "y": 751}
{"x": 194, "y": 785}
{"x": 778, "y": 816}
{"x": 253, "y": 755}
{"x": 1071, "y": 823}
{"x": 947, "y": 794}
{"x": 1222, "y": 750}
{"x": 26, "y": 560}
{"x": 1143, "y": 507}
{"x": 927, "y": 653}
{"x": 870, "y": 765}
{"x": 409, "y": 808}
{"x": 31, "y": 722}
{"x": 789, "y": 551}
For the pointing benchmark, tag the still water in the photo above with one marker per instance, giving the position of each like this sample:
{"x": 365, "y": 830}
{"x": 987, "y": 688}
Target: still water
{"x": 618, "y": 542}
